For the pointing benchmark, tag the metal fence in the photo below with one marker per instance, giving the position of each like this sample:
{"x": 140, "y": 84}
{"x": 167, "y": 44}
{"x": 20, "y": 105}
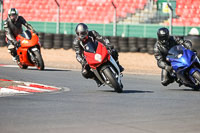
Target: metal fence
{"x": 123, "y": 30}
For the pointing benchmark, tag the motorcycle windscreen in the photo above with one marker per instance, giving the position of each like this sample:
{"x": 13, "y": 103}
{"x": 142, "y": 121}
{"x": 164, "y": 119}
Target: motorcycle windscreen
{"x": 26, "y": 34}
{"x": 175, "y": 51}
{"x": 91, "y": 47}
{"x": 95, "y": 53}
{"x": 180, "y": 57}
{"x": 28, "y": 39}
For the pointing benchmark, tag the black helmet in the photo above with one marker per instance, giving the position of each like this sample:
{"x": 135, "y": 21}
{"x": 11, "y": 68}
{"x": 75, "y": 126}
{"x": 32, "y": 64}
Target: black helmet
{"x": 81, "y": 31}
{"x": 188, "y": 43}
{"x": 163, "y": 35}
{"x": 13, "y": 14}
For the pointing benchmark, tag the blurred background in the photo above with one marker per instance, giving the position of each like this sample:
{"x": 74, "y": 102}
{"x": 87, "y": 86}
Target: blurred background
{"x": 131, "y": 25}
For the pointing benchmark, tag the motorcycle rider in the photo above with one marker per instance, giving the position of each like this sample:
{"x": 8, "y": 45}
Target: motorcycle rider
{"x": 13, "y": 27}
{"x": 82, "y": 37}
{"x": 161, "y": 48}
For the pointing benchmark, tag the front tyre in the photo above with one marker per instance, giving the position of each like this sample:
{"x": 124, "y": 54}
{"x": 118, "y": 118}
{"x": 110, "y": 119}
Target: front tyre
{"x": 113, "y": 80}
{"x": 196, "y": 76}
{"x": 39, "y": 61}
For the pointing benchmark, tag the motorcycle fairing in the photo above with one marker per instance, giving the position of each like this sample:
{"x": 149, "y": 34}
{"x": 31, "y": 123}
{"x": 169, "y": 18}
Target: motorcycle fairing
{"x": 26, "y": 41}
{"x": 99, "y": 59}
{"x": 23, "y": 54}
{"x": 181, "y": 60}
{"x": 91, "y": 55}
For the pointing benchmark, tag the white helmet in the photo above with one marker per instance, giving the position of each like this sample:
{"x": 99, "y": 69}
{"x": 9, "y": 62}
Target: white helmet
{"x": 13, "y": 14}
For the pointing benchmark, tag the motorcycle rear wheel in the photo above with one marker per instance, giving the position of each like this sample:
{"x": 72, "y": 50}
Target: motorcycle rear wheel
{"x": 113, "y": 80}
{"x": 196, "y": 76}
{"x": 39, "y": 61}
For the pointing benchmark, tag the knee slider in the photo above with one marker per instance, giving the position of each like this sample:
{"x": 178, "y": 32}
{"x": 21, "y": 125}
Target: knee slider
{"x": 11, "y": 47}
{"x": 164, "y": 83}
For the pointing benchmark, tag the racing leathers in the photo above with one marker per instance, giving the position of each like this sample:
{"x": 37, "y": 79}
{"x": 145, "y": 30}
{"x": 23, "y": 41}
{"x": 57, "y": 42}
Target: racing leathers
{"x": 12, "y": 29}
{"x": 160, "y": 53}
{"x": 78, "y": 45}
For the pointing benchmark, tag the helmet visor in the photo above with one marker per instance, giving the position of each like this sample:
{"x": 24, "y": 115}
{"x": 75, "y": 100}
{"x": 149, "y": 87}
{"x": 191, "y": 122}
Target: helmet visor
{"x": 13, "y": 17}
{"x": 163, "y": 39}
{"x": 83, "y": 34}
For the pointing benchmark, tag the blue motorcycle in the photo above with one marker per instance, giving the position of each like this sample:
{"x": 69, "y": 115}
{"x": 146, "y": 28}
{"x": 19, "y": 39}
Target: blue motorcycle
{"x": 186, "y": 66}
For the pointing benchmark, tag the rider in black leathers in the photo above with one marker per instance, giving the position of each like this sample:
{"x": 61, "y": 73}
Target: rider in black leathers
{"x": 161, "y": 48}
{"x": 82, "y": 37}
{"x": 13, "y": 27}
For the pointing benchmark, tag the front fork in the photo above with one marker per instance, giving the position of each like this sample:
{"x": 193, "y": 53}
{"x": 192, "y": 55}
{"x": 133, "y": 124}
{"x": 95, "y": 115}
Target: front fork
{"x": 30, "y": 52}
{"x": 191, "y": 73}
{"x": 118, "y": 74}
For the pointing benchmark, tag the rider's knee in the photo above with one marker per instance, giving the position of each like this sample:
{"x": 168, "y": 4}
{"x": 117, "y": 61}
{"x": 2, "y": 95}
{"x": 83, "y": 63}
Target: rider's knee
{"x": 164, "y": 83}
{"x": 11, "y": 46}
{"x": 167, "y": 82}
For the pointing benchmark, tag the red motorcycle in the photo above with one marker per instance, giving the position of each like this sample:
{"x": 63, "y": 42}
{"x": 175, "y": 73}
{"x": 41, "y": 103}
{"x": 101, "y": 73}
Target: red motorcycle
{"x": 28, "y": 50}
{"x": 103, "y": 65}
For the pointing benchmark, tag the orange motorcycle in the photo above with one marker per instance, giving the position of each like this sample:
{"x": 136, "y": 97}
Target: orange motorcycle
{"x": 28, "y": 50}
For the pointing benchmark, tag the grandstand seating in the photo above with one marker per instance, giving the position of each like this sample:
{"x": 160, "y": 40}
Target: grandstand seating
{"x": 88, "y": 11}
{"x": 189, "y": 12}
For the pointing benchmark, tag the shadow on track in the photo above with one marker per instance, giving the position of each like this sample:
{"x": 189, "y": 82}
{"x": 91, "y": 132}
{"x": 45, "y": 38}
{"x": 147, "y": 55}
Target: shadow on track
{"x": 47, "y": 69}
{"x": 137, "y": 91}
{"x": 129, "y": 91}
{"x": 189, "y": 89}
{"x": 55, "y": 70}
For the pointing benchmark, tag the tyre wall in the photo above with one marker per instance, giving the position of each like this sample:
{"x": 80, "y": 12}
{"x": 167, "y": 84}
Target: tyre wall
{"x": 122, "y": 44}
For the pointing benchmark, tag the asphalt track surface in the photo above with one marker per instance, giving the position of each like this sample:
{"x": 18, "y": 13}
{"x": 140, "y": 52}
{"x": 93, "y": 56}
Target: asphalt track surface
{"x": 144, "y": 107}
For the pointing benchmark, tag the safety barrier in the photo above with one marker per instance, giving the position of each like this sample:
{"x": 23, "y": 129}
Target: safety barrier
{"x": 195, "y": 39}
{"x": 2, "y": 39}
{"x": 122, "y": 44}
{"x": 124, "y": 30}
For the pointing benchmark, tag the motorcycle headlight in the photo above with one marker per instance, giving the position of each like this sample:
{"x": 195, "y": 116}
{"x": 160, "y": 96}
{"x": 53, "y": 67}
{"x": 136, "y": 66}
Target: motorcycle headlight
{"x": 179, "y": 56}
{"x": 97, "y": 57}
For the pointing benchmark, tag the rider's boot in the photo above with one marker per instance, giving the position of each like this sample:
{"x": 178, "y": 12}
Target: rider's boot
{"x": 98, "y": 81}
{"x": 13, "y": 53}
{"x": 120, "y": 67}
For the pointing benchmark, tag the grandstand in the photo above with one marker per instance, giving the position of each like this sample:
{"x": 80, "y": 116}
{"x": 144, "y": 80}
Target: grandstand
{"x": 102, "y": 11}
{"x": 88, "y": 11}
{"x": 188, "y": 12}
{"x": 135, "y": 18}
{"x": 144, "y": 13}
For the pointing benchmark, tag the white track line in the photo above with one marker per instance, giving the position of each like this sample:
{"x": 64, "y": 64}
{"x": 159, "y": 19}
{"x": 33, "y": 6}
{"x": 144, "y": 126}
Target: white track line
{"x": 33, "y": 88}
{"x": 8, "y": 91}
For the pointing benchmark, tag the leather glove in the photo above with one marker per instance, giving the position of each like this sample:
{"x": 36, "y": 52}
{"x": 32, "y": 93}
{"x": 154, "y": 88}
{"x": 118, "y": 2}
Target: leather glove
{"x": 35, "y": 32}
{"x": 168, "y": 68}
{"x": 15, "y": 43}
{"x": 114, "y": 52}
{"x": 109, "y": 46}
{"x": 84, "y": 63}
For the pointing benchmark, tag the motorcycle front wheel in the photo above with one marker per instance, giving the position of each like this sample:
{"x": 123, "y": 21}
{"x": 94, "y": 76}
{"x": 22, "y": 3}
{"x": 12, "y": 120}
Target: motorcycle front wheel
{"x": 112, "y": 80}
{"x": 39, "y": 61}
{"x": 196, "y": 76}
